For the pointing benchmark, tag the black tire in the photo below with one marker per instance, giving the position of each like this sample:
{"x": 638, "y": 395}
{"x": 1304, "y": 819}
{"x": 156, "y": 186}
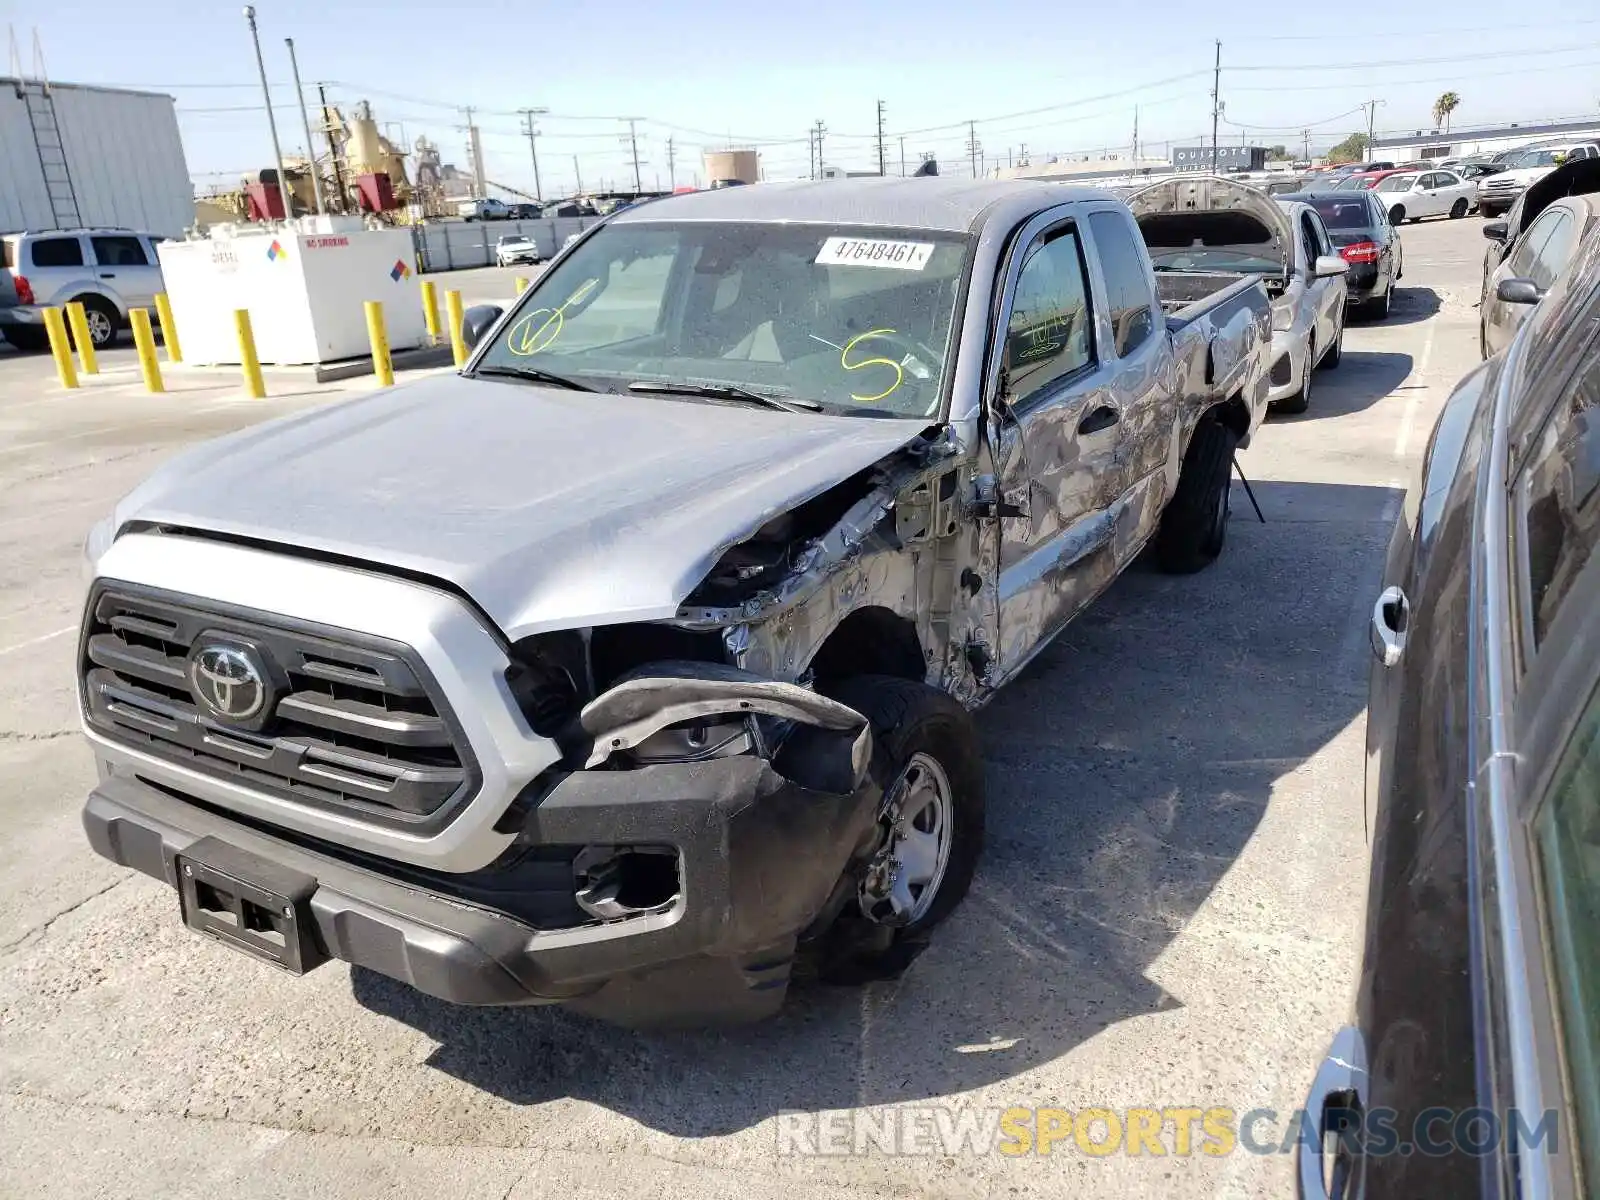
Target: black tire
{"x": 26, "y": 338}
{"x": 1397, "y": 215}
{"x": 104, "y": 322}
{"x": 1459, "y": 209}
{"x": 1301, "y": 400}
{"x": 1195, "y": 523}
{"x": 909, "y": 718}
{"x": 1378, "y": 308}
{"x": 1335, "y": 353}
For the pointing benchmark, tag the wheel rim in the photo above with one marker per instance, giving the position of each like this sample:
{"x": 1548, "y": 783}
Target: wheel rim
{"x": 99, "y": 326}
{"x": 918, "y": 815}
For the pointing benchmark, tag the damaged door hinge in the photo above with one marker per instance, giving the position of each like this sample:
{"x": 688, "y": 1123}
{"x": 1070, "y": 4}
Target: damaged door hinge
{"x": 989, "y": 502}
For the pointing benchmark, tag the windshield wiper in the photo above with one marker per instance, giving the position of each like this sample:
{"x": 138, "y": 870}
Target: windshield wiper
{"x": 723, "y": 391}
{"x": 534, "y": 375}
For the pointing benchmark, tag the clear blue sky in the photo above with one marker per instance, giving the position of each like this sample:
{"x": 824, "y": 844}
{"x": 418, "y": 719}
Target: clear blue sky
{"x": 719, "y": 70}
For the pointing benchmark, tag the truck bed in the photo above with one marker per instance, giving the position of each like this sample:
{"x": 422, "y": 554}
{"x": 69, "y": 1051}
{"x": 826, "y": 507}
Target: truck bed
{"x": 1184, "y": 295}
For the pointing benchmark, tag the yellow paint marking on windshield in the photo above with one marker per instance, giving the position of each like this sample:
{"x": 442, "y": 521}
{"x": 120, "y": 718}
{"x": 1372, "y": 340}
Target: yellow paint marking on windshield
{"x": 525, "y": 338}
{"x": 844, "y": 361}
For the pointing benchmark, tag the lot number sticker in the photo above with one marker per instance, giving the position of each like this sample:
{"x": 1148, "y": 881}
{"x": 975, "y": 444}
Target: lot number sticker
{"x": 875, "y": 252}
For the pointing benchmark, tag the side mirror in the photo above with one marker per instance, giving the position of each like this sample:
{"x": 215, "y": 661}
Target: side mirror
{"x": 1519, "y": 291}
{"x": 477, "y": 321}
{"x": 1329, "y": 265}
{"x": 1496, "y": 231}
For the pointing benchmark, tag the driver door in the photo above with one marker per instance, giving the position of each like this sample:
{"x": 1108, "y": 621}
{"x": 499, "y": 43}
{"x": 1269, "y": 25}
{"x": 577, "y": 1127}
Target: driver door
{"x": 1058, "y": 436}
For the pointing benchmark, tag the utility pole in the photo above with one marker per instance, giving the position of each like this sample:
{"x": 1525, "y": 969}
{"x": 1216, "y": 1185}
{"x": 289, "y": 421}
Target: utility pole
{"x": 1022, "y": 155}
{"x": 633, "y": 147}
{"x": 1216, "y": 104}
{"x": 1305, "y": 144}
{"x": 819, "y": 130}
{"x": 272, "y": 124}
{"x": 532, "y": 130}
{"x": 1372, "y": 115}
{"x": 333, "y": 149}
{"x": 305, "y": 120}
{"x": 902, "y": 155}
{"x": 1134, "y": 154}
{"x": 973, "y": 146}
{"x": 480, "y": 182}
{"x": 882, "y": 167}
{"x": 578, "y": 175}
{"x": 672, "y": 166}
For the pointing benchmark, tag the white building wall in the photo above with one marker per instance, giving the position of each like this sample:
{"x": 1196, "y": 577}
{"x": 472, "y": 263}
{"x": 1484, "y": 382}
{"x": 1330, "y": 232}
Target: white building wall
{"x": 1442, "y": 145}
{"x": 123, "y": 150}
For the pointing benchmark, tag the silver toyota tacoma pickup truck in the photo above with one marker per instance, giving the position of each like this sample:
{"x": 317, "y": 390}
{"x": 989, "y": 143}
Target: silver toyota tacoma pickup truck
{"x": 635, "y": 663}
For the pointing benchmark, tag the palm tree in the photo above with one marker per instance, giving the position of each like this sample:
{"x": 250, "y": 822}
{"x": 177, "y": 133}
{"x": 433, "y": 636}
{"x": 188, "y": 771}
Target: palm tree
{"x": 1443, "y": 107}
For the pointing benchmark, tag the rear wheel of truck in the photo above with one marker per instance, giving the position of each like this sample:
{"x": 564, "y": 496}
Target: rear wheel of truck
{"x": 1196, "y": 521}
{"x": 926, "y": 759}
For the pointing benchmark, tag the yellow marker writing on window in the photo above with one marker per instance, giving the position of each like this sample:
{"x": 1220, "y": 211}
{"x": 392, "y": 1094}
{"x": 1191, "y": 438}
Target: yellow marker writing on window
{"x": 530, "y": 335}
{"x": 844, "y": 361}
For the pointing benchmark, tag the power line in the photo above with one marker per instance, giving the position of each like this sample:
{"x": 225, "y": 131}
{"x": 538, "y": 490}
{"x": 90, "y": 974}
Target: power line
{"x": 1456, "y": 78}
{"x": 1407, "y": 62}
{"x": 1392, "y": 35}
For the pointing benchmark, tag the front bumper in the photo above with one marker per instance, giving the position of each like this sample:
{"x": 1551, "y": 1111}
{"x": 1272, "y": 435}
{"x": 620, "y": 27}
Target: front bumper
{"x": 758, "y": 859}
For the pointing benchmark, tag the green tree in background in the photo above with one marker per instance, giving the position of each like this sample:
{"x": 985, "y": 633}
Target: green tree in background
{"x": 1352, "y": 149}
{"x": 1442, "y": 108}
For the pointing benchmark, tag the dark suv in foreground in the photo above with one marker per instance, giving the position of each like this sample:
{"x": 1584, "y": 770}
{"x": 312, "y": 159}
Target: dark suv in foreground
{"x": 1473, "y": 1066}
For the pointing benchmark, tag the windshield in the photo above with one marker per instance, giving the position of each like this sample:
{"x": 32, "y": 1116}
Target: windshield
{"x": 1539, "y": 158}
{"x": 855, "y": 320}
{"x": 1396, "y": 183}
{"x": 1342, "y": 214}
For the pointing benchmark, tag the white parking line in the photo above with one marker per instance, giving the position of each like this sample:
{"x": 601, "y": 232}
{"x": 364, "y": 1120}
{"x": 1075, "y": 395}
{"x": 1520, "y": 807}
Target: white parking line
{"x": 1402, "y": 438}
{"x": 43, "y": 637}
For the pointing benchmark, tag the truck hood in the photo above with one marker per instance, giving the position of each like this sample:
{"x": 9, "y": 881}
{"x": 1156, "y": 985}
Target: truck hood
{"x": 1521, "y": 177}
{"x": 1214, "y": 193}
{"x": 550, "y": 509}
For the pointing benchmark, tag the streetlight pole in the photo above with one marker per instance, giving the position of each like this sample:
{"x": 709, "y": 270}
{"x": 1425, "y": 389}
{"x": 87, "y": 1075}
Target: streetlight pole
{"x": 272, "y": 124}
{"x": 305, "y": 119}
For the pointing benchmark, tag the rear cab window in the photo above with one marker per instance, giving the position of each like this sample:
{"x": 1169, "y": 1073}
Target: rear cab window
{"x": 57, "y": 252}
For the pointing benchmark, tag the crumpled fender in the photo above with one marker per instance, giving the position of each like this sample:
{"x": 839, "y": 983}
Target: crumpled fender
{"x": 666, "y": 693}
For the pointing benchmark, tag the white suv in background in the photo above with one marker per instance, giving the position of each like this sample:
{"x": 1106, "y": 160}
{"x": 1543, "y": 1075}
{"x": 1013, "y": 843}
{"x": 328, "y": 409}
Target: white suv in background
{"x": 109, "y": 271}
{"x": 1498, "y": 193}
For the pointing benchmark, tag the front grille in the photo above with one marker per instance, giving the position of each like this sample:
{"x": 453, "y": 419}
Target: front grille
{"x": 355, "y": 723}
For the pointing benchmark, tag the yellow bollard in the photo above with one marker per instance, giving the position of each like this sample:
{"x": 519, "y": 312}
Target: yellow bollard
{"x": 382, "y": 367}
{"x": 144, "y": 341}
{"x": 430, "y": 309}
{"x": 60, "y": 348}
{"x": 169, "y": 328}
{"x": 253, "y": 383}
{"x": 458, "y": 344}
{"x": 522, "y": 284}
{"x": 79, "y": 321}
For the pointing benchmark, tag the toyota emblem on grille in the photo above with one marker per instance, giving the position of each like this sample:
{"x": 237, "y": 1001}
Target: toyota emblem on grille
{"x": 226, "y": 680}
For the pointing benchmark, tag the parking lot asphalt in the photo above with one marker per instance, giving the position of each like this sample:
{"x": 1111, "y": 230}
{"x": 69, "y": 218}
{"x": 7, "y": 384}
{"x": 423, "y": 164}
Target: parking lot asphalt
{"x": 1169, "y": 913}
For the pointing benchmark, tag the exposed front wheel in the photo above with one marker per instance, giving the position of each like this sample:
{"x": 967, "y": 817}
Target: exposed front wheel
{"x": 1397, "y": 214}
{"x": 925, "y": 757}
{"x": 1459, "y": 209}
{"x": 1195, "y": 523}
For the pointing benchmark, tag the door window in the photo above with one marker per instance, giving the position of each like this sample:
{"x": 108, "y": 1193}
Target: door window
{"x": 1522, "y": 258}
{"x": 1554, "y": 255}
{"x": 58, "y": 252}
{"x": 1308, "y": 241}
{"x": 1446, "y": 179}
{"x": 1560, "y": 489}
{"x": 118, "y": 251}
{"x": 1126, "y": 267}
{"x": 1567, "y": 828}
{"x": 1320, "y": 232}
{"x": 1047, "y": 336}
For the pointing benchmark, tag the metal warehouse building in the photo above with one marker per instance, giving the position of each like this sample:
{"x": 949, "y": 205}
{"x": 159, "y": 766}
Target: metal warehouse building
{"x": 1484, "y": 140}
{"x": 75, "y": 155}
